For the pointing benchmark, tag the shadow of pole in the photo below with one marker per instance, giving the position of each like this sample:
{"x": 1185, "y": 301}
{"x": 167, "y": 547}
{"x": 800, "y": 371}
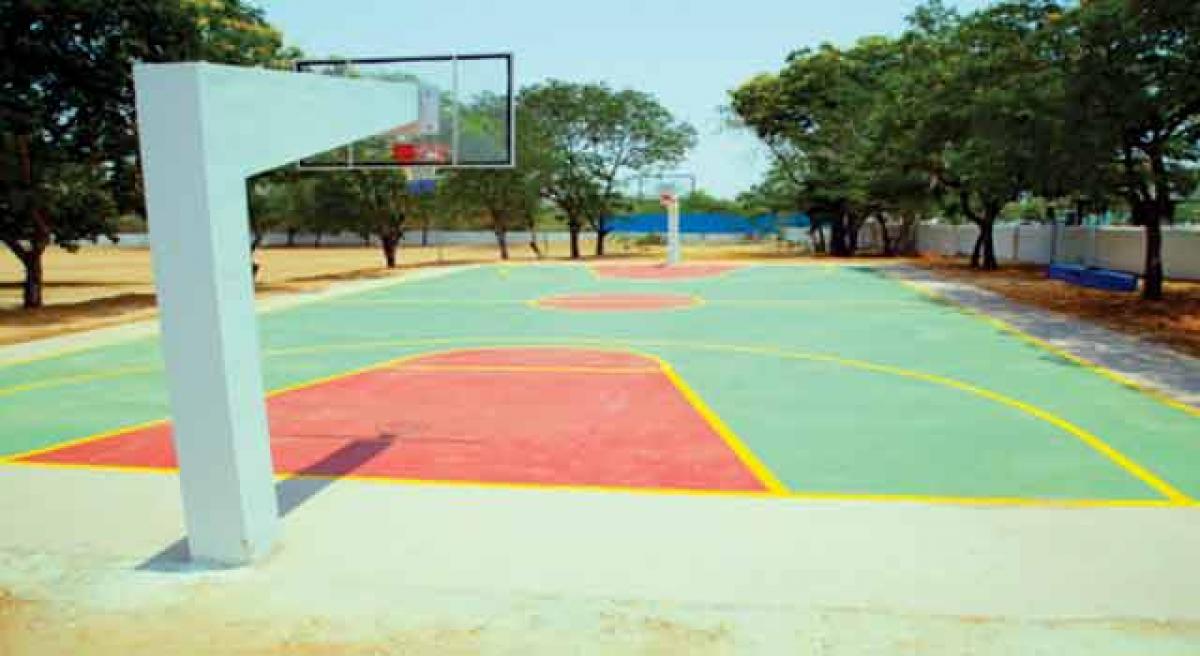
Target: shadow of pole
{"x": 291, "y": 493}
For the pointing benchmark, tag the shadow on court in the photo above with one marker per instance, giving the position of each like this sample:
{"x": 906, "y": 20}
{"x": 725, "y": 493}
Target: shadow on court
{"x": 290, "y": 492}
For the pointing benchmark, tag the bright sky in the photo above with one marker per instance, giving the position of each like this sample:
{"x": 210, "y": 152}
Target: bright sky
{"x": 688, "y": 53}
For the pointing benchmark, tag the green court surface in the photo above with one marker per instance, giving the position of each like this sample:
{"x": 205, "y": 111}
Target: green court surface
{"x": 841, "y": 381}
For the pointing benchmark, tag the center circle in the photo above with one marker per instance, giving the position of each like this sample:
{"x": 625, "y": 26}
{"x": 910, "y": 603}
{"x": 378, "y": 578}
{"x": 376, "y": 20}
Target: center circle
{"x": 618, "y": 302}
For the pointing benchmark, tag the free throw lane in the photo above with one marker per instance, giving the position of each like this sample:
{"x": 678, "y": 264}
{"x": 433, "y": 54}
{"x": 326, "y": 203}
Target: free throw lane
{"x": 549, "y": 416}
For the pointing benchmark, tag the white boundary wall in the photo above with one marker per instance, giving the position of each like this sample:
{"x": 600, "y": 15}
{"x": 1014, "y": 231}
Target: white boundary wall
{"x": 412, "y": 237}
{"x": 1113, "y": 247}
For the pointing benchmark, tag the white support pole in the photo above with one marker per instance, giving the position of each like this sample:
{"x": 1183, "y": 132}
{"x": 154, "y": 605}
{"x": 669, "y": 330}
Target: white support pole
{"x": 673, "y": 251}
{"x": 203, "y": 129}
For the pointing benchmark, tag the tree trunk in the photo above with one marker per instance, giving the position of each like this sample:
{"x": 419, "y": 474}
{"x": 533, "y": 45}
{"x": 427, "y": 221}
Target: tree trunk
{"x": 573, "y": 227}
{"x": 984, "y": 255}
{"x": 837, "y": 237}
{"x": 600, "y": 235}
{"x": 989, "y": 246}
{"x": 31, "y": 258}
{"x": 1159, "y": 208}
{"x": 883, "y": 236}
{"x": 978, "y": 249}
{"x": 533, "y": 240}
{"x": 502, "y": 242}
{"x": 317, "y": 239}
{"x": 32, "y": 287}
{"x": 291, "y": 237}
{"x": 852, "y": 226}
{"x": 906, "y": 242}
{"x": 390, "y": 244}
{"x": 1152, "y": 275}
{"x": 816, "y": 234}
{"x": 425, "y": 233}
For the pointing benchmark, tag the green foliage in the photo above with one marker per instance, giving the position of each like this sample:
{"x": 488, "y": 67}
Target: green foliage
{"x": 69, "y": 154}
{"x": 1015, "y": 110}
{"x": 586, "y": 138}
{"x": 502, "y": 199}
{"x": 701, "y": 201}
{"x": 233, "y": 32}
{"x": 650, "y": 239}
{"x": 279, "y": 200}
{"x": 826, "y": 120}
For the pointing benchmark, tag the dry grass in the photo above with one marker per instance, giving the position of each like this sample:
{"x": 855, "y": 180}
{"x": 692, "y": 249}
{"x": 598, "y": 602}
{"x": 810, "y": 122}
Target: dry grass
{"x": 101, "y": 286}
{"x": 1174, "y": 321}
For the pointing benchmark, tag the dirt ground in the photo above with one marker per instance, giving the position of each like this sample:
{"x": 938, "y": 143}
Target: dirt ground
{"x": 1174, "y": 321}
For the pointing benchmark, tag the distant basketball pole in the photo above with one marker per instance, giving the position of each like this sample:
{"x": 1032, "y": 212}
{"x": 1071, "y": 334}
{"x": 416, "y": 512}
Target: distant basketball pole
{"x": 671, "y": 187}
{"x": 203, "y": 130}
{"x": 670, "y": 200}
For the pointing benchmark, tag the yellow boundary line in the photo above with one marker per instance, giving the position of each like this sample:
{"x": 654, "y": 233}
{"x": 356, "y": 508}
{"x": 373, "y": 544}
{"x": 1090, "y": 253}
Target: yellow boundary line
{"x": 84, "y": 348}
{"x": 1095, "y": 443}
{"x": 1138, "y": 471}
{"x": 1028, "y": 338}
{"x": 16, "y": 458}
{"x": 502, "y": 369}
{"x": 765, "y": 302}
{"x": 743, "y": 453}
{"x": 735, "y": 444}
{"x": 802, "y": 496}
{"x": 80, "y": 378}
{"x": 1092, "y": 441}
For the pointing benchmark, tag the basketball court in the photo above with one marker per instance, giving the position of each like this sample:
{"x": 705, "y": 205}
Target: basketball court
{"x": 818, "y": 382}
{"x": 698, "y": 455}
{"x": 540, "y": 454}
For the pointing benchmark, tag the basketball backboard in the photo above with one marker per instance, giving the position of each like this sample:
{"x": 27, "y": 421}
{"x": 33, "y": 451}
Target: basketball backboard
{"x": 661, "y": 185}
{"x": 465, "y": 113}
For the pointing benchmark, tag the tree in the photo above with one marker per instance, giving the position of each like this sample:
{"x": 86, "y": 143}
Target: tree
{"x": 506, "y": 197}
{"x": 281, "y": 199}
{"x": 64, "y": 204}
{"x": 1135, "y": 81}
{"x": 589, "y": 138}
{"x": 816, "y": 118}
{"x": 700, "y": 201}
{"x": 380, "y": 203}
{"x": 980, "y": 101}
{"x": 65, "y": 111}
{"x": 66, "y": 101}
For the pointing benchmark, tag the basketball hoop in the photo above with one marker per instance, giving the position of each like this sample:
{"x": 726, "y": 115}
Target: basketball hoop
{"x": 404, "y": 152}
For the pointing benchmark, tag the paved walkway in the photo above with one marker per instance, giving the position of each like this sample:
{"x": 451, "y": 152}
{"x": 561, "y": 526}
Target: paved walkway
{"x": 365, "y": 568}
{"x": 1158, "y": 367}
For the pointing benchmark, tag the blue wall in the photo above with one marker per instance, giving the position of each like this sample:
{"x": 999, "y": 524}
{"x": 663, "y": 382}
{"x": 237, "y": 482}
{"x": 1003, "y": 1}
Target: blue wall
{"x": 707, "y": 223}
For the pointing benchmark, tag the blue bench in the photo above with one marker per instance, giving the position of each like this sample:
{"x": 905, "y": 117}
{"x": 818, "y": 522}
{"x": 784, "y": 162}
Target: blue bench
{"x": 1107, "y": 279}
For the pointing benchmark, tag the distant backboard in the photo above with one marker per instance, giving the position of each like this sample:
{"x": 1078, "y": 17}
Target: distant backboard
{"x": 655, "y": 186}
{"x": 465, "y": 115}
